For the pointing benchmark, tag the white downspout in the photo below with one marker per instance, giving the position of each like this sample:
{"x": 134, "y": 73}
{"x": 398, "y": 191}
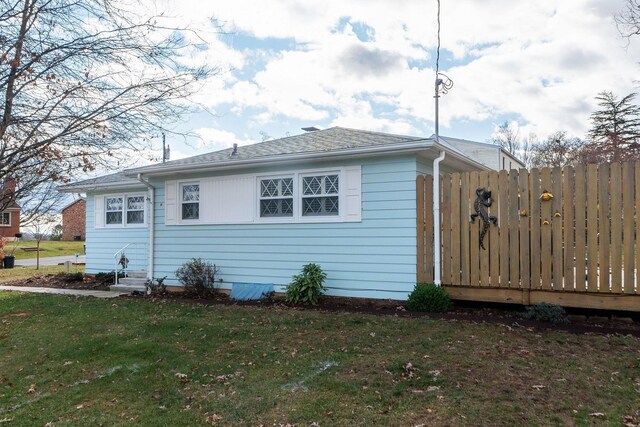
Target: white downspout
{"x": 152, "y": 197}
{"x": 436, "y": 218}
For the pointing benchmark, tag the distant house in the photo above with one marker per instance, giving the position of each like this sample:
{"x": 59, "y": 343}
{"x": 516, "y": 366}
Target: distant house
{"x": 491, "y": 155}
{"x": 10, "y": 215}
{"x": 342, "y": 198}
{"x": 74, "y": 220}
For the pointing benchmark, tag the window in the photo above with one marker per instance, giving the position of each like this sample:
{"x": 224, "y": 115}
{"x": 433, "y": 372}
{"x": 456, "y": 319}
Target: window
{"x": 190, "y": 201}
{"x": 320, "y": 195}
{"x": 135, "y": 209}
{"x": 276, "y": 197}
{"x": 5, "y": 218}
{"x": 124, "y": 210}
{"x": 114, "y": 210}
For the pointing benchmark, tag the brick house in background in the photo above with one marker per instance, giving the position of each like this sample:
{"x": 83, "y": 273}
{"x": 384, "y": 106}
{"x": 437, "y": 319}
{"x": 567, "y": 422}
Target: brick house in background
{"x": 10, "y": 215}
{"x": 74, "y": 220}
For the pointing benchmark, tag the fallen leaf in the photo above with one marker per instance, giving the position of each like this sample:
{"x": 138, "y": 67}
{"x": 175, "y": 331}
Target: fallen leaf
{"x": 537, "y": 387}
{"x": 32, "y": 389}
{"x": 596, "y": 414}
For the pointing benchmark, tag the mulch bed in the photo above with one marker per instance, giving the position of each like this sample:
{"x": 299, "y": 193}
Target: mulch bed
{"x": 510, "y": 316}
{"x": 60, "y": 281}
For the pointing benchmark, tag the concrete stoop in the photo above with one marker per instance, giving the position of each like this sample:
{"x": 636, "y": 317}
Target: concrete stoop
{"x": 135, "y": 281}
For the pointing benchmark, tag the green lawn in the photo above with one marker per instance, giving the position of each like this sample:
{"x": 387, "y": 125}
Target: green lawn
{"x": 47, "y": 248}
{"x": 81, "y": 361}
{"x": 17, "y": 273}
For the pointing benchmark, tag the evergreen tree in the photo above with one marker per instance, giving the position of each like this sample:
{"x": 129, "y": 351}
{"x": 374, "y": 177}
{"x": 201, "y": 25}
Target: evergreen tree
{"x": 615, "y": 130}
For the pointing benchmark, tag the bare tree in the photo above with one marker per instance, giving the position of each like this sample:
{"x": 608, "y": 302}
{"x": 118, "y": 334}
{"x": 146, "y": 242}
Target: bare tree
{"x": 508, "y": 137}
{"x": 82, "y": 82}
{"x": 42, "y": 226}
{"x": 557, "y": 150}
{"x": 628, "y": 19}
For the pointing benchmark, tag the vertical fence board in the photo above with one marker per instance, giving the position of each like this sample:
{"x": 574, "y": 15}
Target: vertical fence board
{"x": 494, "y": 234}
{"x": 534, "y": 221}
{"x": 592, "y": 228}
{"x": 445, "y": 210}
{"x": 556, "y": 229}
{"x": 568, "y": 227}
{"x": 525, "y": 258}
{"x": 580, "y": 234}
{"x": 637, "y": 186}
{"x": 420, "y": 226}
{"x": 455, "y": 229}
{"x": 428, "y": 214}
{"x": 475, "y": 227}
{"x": 628, "y": 231}
{"x": 514, "y": 241}
{"x": 503, "y": 224}
{"x": 464, "y": 226}
{"x": 604, "y": 224}
{"x": 483, "y": 181}
{"x": 545, "y": 230}
{"x": 616, "y": 229}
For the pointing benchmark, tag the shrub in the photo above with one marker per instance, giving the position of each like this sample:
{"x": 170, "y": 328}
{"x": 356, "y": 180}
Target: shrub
{"x": 429, "y": 298}
{"x": 156, "y": 286}
{"x": 198, "y": 277}
{"x": 544, "y": 312}
{"x": 307, "y": 286}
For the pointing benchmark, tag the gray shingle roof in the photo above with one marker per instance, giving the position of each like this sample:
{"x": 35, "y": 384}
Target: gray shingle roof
{"x": 321, "y": 141}
{"x": 113, "y": 179}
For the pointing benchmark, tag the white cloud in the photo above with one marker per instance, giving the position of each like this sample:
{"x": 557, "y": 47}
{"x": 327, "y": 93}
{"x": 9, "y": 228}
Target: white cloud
{"x": 541, "y": 62}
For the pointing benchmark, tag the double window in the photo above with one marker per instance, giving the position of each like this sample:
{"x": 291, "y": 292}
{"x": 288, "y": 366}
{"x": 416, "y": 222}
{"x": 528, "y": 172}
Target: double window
{"x": 190, "y": 201}
{"x": 316, "y": 195}
{"x": 123, "y": 210}
{"x": 5, "y": 219}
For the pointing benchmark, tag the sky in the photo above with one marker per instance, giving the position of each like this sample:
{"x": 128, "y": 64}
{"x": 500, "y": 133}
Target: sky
{"x": 371, "y": 64}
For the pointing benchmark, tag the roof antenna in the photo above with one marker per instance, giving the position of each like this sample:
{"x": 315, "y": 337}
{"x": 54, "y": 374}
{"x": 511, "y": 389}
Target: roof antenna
{"x": 443, "y": 83}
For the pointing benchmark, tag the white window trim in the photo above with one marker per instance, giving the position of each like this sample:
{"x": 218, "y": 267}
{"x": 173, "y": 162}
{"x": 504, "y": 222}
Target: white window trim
{"x": 124, "y": 224}
{"x": 3, "y": 214}
{"x": 297, "y": 197}
{"x": 179, "y": 201}
{"x": 258, "y": 198}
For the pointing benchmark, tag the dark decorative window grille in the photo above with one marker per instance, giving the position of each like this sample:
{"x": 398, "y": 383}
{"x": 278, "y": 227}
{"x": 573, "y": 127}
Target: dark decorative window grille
{"x": 276, "y": 197}
{"x": 114, "y": 208}
{"x": 320, "y": 195}
{"x": 191, "y": 201}
{"x": 135, "y": 210}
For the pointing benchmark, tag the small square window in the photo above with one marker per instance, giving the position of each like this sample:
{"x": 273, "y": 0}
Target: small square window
{"x": 5, "y": 218}
{"x": 320, "y": 195}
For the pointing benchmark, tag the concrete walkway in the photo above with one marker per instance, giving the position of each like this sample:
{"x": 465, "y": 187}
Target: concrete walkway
{"x": 54, "y": 291}
{"x": 50, "y": 260}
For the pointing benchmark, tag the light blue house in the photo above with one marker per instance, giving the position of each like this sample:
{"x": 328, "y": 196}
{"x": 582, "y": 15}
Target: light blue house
{"x": 342, "y": 198}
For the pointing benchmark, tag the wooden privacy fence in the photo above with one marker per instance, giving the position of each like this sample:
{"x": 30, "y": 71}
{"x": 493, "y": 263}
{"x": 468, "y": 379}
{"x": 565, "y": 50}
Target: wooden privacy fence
{"x": 578, "y": 249}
